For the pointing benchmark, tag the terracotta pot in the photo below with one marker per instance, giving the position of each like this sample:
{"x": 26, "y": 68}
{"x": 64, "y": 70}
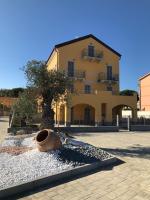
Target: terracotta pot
{"x": 47, "y": 140}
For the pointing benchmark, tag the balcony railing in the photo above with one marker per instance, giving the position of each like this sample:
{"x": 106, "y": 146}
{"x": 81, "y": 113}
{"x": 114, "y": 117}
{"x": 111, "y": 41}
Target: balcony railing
{"x": 77, "y": 74}
{"x": 102, "y": 78}
{"x": 96, "y": 92}
{"x": 98, "y": 55}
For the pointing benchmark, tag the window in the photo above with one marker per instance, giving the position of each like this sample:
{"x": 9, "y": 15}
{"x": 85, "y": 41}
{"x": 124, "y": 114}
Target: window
{"x": 87, "y": 89}
{"x": 71, "y": 69}
{"x": 91, "y": 51}
{"x": 71, "y": 88}
{"x": 109, "y": 88}
{"x": 109, "y": 72}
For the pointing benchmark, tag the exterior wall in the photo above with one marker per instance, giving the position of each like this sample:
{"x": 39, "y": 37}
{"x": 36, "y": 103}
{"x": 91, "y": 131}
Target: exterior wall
{"x": 74, "y": 51}
{"x": 102, "y": 101}
{"x": 78, "y": 111}
{"x": 145, "y": 93}
{"x": 53, "y": 61}
{"x": 111, "y": 101}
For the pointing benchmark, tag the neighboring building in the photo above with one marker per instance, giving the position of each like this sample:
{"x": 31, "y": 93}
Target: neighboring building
{"x": 7, "y": 101}
{"x": 5, "y": 105}
{"x": 144, "y": 86}
{"x": 94, "y": 66}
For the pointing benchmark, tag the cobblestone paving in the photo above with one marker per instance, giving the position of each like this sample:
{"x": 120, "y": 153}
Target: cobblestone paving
{"x": 3, "y": 128}
{"x": 128, "y": 181}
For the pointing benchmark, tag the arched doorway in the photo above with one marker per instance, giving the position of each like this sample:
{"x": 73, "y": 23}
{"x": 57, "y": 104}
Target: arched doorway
{"x": 118, "y": 115}
{"x": 83, "y": 114}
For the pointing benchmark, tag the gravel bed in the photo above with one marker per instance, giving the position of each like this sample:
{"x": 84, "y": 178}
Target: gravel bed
{"x": 16, "y": 169}
{"x": 29, "y": 166}
{"x": 23, "y": 141}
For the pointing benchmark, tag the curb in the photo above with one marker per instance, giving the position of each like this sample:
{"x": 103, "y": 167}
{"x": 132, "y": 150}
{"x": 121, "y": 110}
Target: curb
{"x": 28, "y": 186}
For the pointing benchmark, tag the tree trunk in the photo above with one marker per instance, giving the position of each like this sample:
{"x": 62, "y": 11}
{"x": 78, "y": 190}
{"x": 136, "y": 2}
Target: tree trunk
{"x": 47, "y": 116}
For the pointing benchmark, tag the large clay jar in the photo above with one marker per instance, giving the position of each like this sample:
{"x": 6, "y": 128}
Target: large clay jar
{"x": 47, "y": 140}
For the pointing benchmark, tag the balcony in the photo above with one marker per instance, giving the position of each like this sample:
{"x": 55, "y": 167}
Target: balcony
{"x": 97, "y": 56}
{"x": 102, "y": 78}
{"x": 77, "y": 75}
{"x": 96, "y": 92}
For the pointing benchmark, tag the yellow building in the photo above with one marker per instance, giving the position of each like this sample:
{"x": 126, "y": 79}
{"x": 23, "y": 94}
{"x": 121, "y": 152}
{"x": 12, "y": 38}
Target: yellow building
{"x": 94, "y": 67}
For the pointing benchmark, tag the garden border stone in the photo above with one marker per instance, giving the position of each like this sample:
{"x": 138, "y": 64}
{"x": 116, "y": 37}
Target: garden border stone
{"x": 79, "y": 129}
{"x": 66, "y": 175}
{"x": 139, "y": 127}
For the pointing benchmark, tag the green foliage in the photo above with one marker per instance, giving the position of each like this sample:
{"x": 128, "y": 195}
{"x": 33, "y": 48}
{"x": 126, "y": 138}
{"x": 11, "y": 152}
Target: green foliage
{"x": 50, "y": 85}
{"x": 129, "y": 93}
{"x": 11, "y": 92}
{"x": 4, "y": 107}
{"x": 1, "y": 106}
{"x": 25, "y": 107}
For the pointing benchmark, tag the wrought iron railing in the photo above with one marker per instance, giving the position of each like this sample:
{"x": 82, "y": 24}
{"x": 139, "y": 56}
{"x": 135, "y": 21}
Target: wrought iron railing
{"x": 78, "y": 74}
{"x": 97, "y": 55}
{"x": 102, "y": 77}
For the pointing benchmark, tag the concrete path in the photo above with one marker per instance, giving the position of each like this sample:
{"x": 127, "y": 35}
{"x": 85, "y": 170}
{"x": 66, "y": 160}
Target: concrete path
{"x": 3, "y": 127}
{"x": 128, "y": 181}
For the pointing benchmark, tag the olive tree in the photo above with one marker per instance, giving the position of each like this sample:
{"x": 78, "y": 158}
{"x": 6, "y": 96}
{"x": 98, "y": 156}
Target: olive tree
{"x": 49, "y": 85}
{"x": 24, "y": 108}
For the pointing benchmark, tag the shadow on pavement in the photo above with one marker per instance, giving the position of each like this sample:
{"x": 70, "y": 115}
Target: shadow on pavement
{"x": 89, "y": 134}
{"x": 3, "y": 120}
{"x": 133, "y": 151}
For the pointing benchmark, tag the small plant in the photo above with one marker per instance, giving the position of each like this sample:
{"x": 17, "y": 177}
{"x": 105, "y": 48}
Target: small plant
{"x": 24, "y": 109}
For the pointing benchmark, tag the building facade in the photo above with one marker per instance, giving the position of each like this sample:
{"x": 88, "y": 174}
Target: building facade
{"x": 144, "y": 87}
{"x": 5, "y": 105}
{"x": 7, "y": 101}
{"x": 94, "y": 67}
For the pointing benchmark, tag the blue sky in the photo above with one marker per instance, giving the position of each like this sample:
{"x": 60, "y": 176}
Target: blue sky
{"x": 30, "y": 28}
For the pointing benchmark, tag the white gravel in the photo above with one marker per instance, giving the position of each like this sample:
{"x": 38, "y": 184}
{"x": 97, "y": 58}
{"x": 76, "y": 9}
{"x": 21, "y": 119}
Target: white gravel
{"x": 27, "y": 141}
{"x": 33, "y": 164}
{"x": 28, "y": 166}
{"x": 30, "y": 142}
{"x": 8, "y": 143}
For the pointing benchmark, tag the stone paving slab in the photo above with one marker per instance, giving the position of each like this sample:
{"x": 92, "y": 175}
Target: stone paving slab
{"x": 128, "y": 181}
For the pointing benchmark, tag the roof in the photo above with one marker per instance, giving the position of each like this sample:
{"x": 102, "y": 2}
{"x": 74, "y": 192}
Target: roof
{"x": 148, "y": 74}
{"x": 83, "y": 38}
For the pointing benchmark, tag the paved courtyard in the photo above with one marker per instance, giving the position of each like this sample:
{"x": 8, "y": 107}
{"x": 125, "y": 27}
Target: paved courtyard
{"x": 130, "y": 180}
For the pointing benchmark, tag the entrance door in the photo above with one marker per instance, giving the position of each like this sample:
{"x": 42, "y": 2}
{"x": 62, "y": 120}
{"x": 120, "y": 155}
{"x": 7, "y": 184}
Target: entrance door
{"x": 87, "y": 116}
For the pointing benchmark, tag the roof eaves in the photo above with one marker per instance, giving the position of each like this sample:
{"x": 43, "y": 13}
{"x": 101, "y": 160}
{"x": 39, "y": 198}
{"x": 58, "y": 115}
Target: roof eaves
{"x": 83, "y": 38}
{"x": 148, "y": 74}
{"x": 50, "y": 55}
